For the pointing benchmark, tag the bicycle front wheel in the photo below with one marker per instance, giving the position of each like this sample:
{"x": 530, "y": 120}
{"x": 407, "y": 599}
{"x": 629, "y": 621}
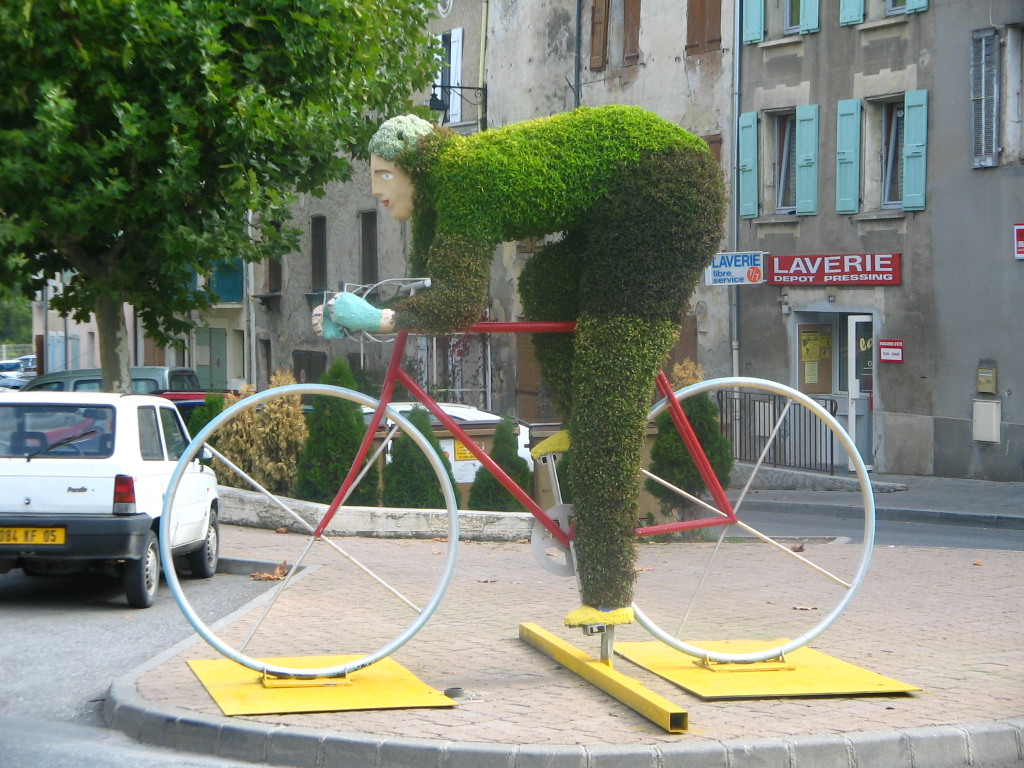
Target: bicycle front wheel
{"x": 783, "y": 572}
{"x": 369, "y": 594}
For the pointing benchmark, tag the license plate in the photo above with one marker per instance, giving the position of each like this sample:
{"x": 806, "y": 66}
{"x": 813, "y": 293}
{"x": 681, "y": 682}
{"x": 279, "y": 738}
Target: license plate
{"x": 32, "y": 536}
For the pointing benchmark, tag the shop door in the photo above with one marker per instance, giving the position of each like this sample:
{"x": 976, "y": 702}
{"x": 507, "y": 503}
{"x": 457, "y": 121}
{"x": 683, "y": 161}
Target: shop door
{"x": 861, "y": 383}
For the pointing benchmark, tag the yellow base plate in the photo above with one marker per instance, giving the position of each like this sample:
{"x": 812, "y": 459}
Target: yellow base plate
{"x": 387, "y": 684}
{"x": 806, "y": 672}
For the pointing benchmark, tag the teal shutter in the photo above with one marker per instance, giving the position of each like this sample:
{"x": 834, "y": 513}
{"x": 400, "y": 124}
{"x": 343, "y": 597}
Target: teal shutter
{"x": 915, "y": 149}
{"x": 848, "y": 156}
{"x": 807, "y": 160}
{"x": 753, "y": 21}
{"x": 916, "y": 6}
{"x": 851, "y": 11}
{"x": 747, "y": 170}
{"x": 809, "y": 16}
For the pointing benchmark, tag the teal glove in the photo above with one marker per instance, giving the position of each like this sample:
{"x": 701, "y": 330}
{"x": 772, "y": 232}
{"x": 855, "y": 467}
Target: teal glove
{"x": 354, "y": 312}
{"x": 324, "y": 326}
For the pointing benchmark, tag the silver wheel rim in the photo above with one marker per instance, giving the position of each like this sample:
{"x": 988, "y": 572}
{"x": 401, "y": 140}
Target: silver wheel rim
{"x": 869, "y": 524}
{"x": 384, "y": 651}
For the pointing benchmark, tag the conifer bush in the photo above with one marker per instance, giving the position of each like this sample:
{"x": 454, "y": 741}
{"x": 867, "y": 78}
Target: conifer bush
{"x": 486, "y": 493}
{"x": 266, "y": 442}
{"x": 409, "y": 480}
{"x": 670, "y": 459}
{"x": 212, "y": 406}
{"x": 335, "y": 432}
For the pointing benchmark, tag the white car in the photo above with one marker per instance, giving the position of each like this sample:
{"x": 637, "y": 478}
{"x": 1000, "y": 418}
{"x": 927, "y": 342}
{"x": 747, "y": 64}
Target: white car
{"x": 466, "y": 416}
{"x": 84, "y": 477}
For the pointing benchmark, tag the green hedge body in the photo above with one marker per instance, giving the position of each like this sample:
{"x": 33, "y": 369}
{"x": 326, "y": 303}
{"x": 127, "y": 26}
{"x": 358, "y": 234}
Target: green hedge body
{"x": 409, "y": 480}
{"x": 335, "y": 432}
{"x": 211, "y": 408}
{"x": 486, "y": 493}
{"x": 639, "y": 202}
{"x": 671, "y": 461}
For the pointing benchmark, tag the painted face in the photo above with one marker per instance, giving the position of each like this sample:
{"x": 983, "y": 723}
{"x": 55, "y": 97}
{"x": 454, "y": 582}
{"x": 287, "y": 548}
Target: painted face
{"x": 393, "y": 186}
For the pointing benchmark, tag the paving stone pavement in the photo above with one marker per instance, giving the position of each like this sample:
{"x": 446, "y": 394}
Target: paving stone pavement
{"x": 947, "y": 620}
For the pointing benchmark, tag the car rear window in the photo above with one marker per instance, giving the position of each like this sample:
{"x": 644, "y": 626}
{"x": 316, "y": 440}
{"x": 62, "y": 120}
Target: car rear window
{"x": 57, "y": 431}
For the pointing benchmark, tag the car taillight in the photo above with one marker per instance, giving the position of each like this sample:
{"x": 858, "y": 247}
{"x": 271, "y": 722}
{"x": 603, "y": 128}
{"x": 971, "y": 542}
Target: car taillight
{"x": 124, "y": 495}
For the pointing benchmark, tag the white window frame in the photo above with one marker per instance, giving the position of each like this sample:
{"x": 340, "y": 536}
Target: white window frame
{"x": 784, "y": 157}
{"x": 892, "y": 150}
{"x": 449, "y": 75}
{"x": 791, "y": 17}
{"x": 986, "y": 53}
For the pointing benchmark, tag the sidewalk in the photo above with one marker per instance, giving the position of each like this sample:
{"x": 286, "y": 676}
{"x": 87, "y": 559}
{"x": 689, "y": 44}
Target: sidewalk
{"x": 949, "y": 621}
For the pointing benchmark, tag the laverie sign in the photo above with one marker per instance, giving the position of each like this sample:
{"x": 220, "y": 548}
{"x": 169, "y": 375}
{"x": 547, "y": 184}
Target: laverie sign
{"x": 745, "y": 268}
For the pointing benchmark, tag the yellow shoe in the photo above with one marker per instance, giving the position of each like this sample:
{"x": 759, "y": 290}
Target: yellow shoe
{"x": 557, "y": 443}
{"x": 585, "y": 615}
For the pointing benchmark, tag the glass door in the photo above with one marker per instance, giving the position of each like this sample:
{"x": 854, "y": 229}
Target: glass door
{"x": 861, "y": 383}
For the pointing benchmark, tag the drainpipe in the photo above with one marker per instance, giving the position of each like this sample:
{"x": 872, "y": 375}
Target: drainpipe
{"x": 734, "y": 235}
{"x": 576, "y": 55}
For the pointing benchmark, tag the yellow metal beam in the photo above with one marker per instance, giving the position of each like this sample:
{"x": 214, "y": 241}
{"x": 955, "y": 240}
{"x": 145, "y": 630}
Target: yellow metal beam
{"x": 627, "y": 690}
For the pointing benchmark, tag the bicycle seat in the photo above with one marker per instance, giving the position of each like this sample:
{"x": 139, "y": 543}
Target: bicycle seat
{"x": 557, "y": 443}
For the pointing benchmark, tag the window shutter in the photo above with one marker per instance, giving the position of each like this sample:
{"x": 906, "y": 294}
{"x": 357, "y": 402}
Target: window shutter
{"x": 915, "y": 145}
{"x": 848, "y": 156}
{"x": 455, "y": 67}
{"x": 631, "y": 31}
{"x": 703, "y": 26}
{"x": 916, "y": 6}
{"x": 985, "y": 96}
{"x": 851, "y": 11}
{"x": 747, "y": 170}
{"x": 753, "y": 21}
{"x": 809, "y": 16}
{"x": 807, "y": 160}
{"x": 599, "y": 35}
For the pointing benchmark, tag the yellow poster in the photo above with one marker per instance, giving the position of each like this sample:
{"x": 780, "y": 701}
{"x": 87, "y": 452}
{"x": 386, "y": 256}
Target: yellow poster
{"x": 462, "y": 452}
{"x": 809, "y": 345}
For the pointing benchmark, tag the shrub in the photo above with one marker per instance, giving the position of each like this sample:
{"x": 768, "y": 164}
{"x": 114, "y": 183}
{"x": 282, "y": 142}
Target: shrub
{"x": 409, "y": 480}
{"x": 335, "y": 432}
{"x": 212, "y": 406}
{"x": 487, "y": 493}
{"x": 265, "y": 443}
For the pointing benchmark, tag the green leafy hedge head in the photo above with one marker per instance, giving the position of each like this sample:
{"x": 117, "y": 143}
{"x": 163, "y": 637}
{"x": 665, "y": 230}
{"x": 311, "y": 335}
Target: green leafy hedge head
{"x": 398, "y": 135}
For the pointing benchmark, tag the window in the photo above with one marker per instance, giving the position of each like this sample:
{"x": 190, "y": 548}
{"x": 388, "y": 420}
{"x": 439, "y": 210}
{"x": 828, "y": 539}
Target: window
{"x": 985, "y": 97}
{"x": 174, "y": 433}
{"x": 631, "y": 32}
{"x": 785, "y": 163}
{"x": 274, "y": 275}
{"x": 703, "y": 26}
{"x": 892, "y": 154}
{"x": 318, "y": 252}
{"x": 897, "y": 7}
{"x": 599, "y": 24}
{"x": 368, "y": 273}
{"x": 791, "y": 25}
{"x": 149, "y": 435}
{"x": 599, "y": 35}
{"x": 450, "y": 75}
{"x": 796, "y": 16}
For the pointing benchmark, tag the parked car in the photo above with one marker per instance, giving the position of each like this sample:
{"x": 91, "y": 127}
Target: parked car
{"x": 10, "y": 383}
{"x": 145, "y": 379}
{"x": 28, "y": 365}
{"x": 84, "y": 477}
{"x": 11, "y": 367}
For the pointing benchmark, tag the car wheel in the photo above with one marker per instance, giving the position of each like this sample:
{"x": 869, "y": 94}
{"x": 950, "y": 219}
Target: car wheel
{"x": 142, "y": 576}
{"x": 203, "y": 561}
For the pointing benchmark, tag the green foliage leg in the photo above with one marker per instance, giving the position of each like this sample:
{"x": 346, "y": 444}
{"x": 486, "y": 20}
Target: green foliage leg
{"x": 616, "y": 360}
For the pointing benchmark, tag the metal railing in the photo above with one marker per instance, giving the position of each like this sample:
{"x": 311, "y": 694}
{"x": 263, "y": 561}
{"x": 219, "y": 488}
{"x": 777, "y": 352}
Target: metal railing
{"x": 803, "y": 441}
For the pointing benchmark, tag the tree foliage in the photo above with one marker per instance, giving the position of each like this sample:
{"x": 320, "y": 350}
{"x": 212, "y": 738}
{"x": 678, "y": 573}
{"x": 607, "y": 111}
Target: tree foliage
{"x": 335, "y": 432}
{"x": 212, "y": 406}
{"x": 142, "y": 141}
{"x": 15, "y": 320}
{"x": 409, "y": 480}
{"x": 486, "y": 493}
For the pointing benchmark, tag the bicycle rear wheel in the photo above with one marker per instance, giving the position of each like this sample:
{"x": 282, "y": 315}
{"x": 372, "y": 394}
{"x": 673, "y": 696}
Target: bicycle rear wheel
{"x": 781, "y": 571}
{"x": 374, "y": 592}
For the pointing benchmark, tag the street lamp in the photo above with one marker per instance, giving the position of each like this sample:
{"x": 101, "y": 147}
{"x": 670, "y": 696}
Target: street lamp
{"x": 439, "y": 104}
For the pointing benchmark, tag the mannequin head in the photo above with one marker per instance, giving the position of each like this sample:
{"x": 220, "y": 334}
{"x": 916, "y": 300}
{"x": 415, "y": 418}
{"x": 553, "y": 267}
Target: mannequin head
{"x": 393, "y": 186}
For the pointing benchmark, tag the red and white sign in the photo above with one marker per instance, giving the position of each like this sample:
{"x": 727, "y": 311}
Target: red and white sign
{"x": 1018, "y": 241}
{"x": 849, "y": 269}
{"x": 890, "y": 350}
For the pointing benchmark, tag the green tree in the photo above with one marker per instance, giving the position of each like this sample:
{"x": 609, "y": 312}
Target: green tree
{"x": 487, "y": 493}
{"x": 409, "y": 480}
{"x": 143, "y": 141}
{"x": 212, "y": 406}
{"x": 15, "y": 320}
{"x": 671, "y": 461}
{"x": 335, "y": 432}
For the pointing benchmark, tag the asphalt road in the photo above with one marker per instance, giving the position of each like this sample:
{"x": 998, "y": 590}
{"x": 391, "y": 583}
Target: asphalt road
{"x": 62, "y": 641}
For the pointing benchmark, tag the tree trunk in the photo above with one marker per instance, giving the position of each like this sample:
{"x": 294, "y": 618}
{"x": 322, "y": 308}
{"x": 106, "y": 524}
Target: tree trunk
{"x": 114, "y": 352}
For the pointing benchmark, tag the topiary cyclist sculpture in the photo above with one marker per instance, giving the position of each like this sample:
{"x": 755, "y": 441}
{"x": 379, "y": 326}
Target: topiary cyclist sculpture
{"x": 639, "y": 204}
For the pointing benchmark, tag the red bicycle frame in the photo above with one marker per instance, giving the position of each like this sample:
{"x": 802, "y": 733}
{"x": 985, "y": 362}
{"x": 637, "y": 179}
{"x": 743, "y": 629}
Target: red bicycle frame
{"x": 396, "y": 373}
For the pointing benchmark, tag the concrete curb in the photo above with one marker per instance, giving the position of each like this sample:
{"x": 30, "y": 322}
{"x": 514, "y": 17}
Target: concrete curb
{"x": 936, "y": 517}
{"x": 161, "y": 725}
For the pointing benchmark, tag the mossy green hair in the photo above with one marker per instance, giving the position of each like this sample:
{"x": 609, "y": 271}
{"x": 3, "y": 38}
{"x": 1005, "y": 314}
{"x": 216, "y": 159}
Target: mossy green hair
{"x": 398, "y": 134}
